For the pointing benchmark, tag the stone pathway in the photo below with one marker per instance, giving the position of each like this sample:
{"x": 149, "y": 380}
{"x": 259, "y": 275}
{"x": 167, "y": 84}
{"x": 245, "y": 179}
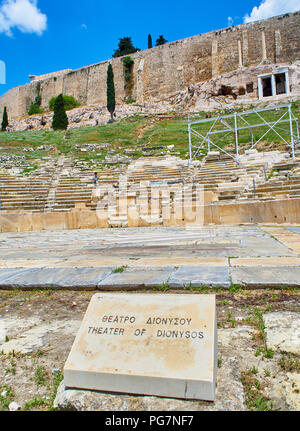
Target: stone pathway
{"x": 219, "y": 256}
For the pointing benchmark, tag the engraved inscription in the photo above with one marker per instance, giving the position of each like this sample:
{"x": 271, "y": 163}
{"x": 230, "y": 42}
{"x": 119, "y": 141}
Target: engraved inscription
{"x": 151, "y": 324}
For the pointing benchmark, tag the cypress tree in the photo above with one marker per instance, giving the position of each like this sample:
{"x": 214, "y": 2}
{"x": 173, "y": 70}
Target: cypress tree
{"x": 4, "y": 124}
{"x": 111, "y": 100}
{"x": 161, "y": 40}
{"x": 149, "y": 41}
{"x": 60, "y": 119}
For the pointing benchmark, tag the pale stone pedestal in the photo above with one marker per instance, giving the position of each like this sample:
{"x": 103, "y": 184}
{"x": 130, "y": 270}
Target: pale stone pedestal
{"x": 147, "y": 344}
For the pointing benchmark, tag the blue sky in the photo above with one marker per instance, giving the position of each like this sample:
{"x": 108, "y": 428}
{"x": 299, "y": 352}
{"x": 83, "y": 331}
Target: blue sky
{"x": 43, "y": 36}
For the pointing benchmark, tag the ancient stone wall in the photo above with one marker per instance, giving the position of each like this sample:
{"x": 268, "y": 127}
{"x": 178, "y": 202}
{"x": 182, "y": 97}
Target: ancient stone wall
{"x": 277, "y": 212}
{"x": 163, "y": 71}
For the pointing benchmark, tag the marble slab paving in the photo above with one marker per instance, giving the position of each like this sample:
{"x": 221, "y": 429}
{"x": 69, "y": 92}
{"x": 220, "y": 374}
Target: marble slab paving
{"x": 141, "y": 277}
{"x": 271, "y": 276}
{"x": 217, "y": 276}
{"x": 294, "y": 229}
{"x": 53, "y": 277}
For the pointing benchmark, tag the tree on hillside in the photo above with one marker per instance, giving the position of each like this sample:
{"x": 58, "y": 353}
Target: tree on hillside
{"x": 111, "y": 100}
{"x": 69, "y": 102}
{"x": 125, "y": 47}
{"x": 150, "y": 41}
{"x": 60, "y": 119}
{"x": 161, "y": 40}
{"x": 4, "y": 124}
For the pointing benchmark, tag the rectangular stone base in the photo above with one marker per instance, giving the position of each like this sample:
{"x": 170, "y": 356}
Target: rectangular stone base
{"x": 147, "y": 344}
{"x": 141, "y": 385}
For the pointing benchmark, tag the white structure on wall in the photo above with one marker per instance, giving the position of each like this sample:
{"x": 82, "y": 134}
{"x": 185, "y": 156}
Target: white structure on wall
{"x": 274, "y": 84}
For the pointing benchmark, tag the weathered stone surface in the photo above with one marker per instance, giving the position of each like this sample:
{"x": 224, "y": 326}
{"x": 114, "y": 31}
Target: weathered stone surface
{"x": 36, "y": 338}
{"x": 2, "y": 332}
{"x": 266, "y": 276}
{"x": 146, "y": 344}
{"x": 150, "y": 256}
{"x": 53, "y": 277}
{"x": 132, "y": 278}
{"x": 292, "y": 390}
{"x": 229, "y": 397}
{"x": 283, "y": 331}
{"x": 200, "y": 276}
{"x": 266, "y": 261}
{"x": 293, "y": 229}
{"x": 234, "y": 337}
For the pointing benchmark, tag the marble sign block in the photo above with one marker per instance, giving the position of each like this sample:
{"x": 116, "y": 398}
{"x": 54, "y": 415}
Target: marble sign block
{"x": 147, "y": 344}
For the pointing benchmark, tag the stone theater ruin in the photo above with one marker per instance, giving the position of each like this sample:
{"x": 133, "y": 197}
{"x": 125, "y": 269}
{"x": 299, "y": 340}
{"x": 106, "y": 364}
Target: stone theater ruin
{"x": 165, "y": 238}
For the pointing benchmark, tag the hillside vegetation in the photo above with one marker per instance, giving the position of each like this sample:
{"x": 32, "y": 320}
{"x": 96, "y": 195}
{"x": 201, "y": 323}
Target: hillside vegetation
{"x": 137, "y": 136}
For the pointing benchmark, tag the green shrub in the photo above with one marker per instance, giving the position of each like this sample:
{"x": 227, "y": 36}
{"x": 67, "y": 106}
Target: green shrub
{"x": 35, "y": 109}
{"x": 128, "y": 62}
{"x": 129, "y": 101}
{"x": 69, "y": 103}
{"x": 128, "y": 76}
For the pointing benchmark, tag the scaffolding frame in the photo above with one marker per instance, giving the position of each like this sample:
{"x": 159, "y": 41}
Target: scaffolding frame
{"x": 207, "y": 138}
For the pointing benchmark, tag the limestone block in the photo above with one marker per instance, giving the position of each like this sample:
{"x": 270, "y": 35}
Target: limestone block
{"x": 210, "y": 197}
{"x": 133, "y": 215}
{"x": 283, "y": 331}
{"x": 207, "y": 214}
{"x": 193, "y": 214}
{"x": 215, "y": 219}
{"x": 144, "y": 221}
{"x": 122, "y": 203}
{"x": 102, "y": 219}
{"x": 71, "y": 219}
{"x": 87, "y": 220}
{"x": 37, "y": 221}
{"x": 228, "y": 214}
{"x": 9, "y": 223}
{"x": 79, "y": 206}
{"x": 146, "y": 354}
{"x": 292, "y": 390}
{"x": 54, "y": 221}
{"x": 25, "y": 222}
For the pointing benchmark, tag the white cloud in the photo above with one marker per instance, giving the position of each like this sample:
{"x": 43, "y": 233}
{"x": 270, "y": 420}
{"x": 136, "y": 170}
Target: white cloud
{"x": 230, "y": 21}
{"x": 22, "y": 14}
{"x": 269, "y": 8}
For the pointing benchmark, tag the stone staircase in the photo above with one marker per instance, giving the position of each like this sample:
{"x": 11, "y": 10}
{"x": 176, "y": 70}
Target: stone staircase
{"x": 158, "y": 169}
{"x": 23, "y": 193}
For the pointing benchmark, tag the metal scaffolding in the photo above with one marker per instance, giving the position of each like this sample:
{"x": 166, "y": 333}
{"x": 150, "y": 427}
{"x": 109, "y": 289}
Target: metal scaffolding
{"x": 240, "y": 122}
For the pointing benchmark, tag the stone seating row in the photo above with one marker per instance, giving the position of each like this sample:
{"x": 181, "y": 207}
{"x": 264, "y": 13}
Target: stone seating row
{"x": 223, "y": 176}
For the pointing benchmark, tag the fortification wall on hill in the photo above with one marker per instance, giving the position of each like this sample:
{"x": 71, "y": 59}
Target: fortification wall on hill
{"x": 163, "y": 71}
